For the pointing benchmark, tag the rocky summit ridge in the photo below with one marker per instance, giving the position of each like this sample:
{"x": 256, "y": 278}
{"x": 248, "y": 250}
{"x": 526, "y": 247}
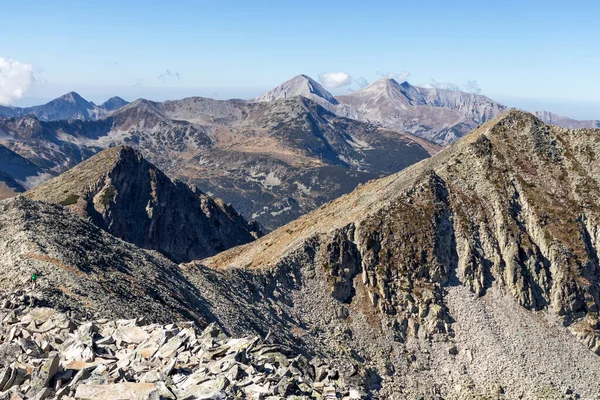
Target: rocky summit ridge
{"x": 122, "y": 193}
{"x": 301, "y": 85}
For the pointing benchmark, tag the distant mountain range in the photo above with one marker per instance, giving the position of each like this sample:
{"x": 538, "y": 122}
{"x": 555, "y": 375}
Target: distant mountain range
{"x": 69, "y": 106}
{"x": 272, "y": 161}
{"x": 439, "y": 115}
{"x": 274, "y": 157}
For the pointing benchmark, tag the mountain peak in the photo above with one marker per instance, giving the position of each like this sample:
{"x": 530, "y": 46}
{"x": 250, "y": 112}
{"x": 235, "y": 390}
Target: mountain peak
{"x": 114, "y": 103}
{"x": 127, "y": 196}
{"x": 73, "y": 97}
{"x": 300, "y": 85}
{"x": 385, "y": 83}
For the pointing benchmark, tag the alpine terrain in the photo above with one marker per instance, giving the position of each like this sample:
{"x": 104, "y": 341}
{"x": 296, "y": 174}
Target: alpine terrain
{"x": 271, "y": 156}
{"x": 470, "y": 274}
{"x": 272, "y": 161}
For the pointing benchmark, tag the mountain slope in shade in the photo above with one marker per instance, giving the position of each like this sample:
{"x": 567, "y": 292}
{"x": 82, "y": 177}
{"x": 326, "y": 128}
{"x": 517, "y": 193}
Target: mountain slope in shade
{"x": 127, "y": 196}
{"x": 452, "y": 276}
{"x": 9, "y": 187}
{"x": 19, "y": 172}
{"x": 68, "y": 106}
{"x": 85, "y": 269}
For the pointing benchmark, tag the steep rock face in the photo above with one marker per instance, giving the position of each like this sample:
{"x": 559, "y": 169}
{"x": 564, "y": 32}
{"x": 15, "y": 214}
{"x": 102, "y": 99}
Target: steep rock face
{"x": 508, "y": 214}
{"x": 127, "y": 196}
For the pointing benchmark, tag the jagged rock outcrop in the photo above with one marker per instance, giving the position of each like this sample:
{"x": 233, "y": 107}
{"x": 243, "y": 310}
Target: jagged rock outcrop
{"x": 122, "y": 193}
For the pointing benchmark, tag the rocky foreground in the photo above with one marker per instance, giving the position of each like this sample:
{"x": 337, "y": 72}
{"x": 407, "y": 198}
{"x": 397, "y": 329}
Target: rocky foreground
{"x": 45, "y": 354}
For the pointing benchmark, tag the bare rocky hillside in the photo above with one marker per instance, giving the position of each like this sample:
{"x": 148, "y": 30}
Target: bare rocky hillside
{"x": 496, "y": 234}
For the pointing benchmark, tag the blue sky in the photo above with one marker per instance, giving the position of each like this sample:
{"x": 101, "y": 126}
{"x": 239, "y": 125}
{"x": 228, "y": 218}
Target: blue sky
{"x": 534, "y": 54}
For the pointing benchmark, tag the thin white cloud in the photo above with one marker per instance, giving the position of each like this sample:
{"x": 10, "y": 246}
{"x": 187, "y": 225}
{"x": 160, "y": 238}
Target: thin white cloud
{"x": 472, "y": 87}
{"x": 333, "y": 80}
{"x": 398, "y": 76}
{"x": 443, "y": 85}
{"x": 469, "y": 87}
{"x": 168, "y": 74}
{"x": 362, "y": 82}
{"x": 139, "y": 82}
{"x": 15, "y": 80}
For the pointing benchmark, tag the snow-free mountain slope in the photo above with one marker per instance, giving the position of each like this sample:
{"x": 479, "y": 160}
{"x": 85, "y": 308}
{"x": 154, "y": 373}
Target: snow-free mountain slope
{"x": 114, "y": 103}
{"x": 435, "y": 114}
{"x": 470, "y": 274}
{"x": 555, "y": 119}
{"x": 504, "y": 219}
{"x": 273, "y": 161}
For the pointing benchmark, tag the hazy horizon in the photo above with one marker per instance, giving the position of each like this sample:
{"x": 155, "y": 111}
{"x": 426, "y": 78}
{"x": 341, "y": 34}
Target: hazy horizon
{"x": 237, "y": 50}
